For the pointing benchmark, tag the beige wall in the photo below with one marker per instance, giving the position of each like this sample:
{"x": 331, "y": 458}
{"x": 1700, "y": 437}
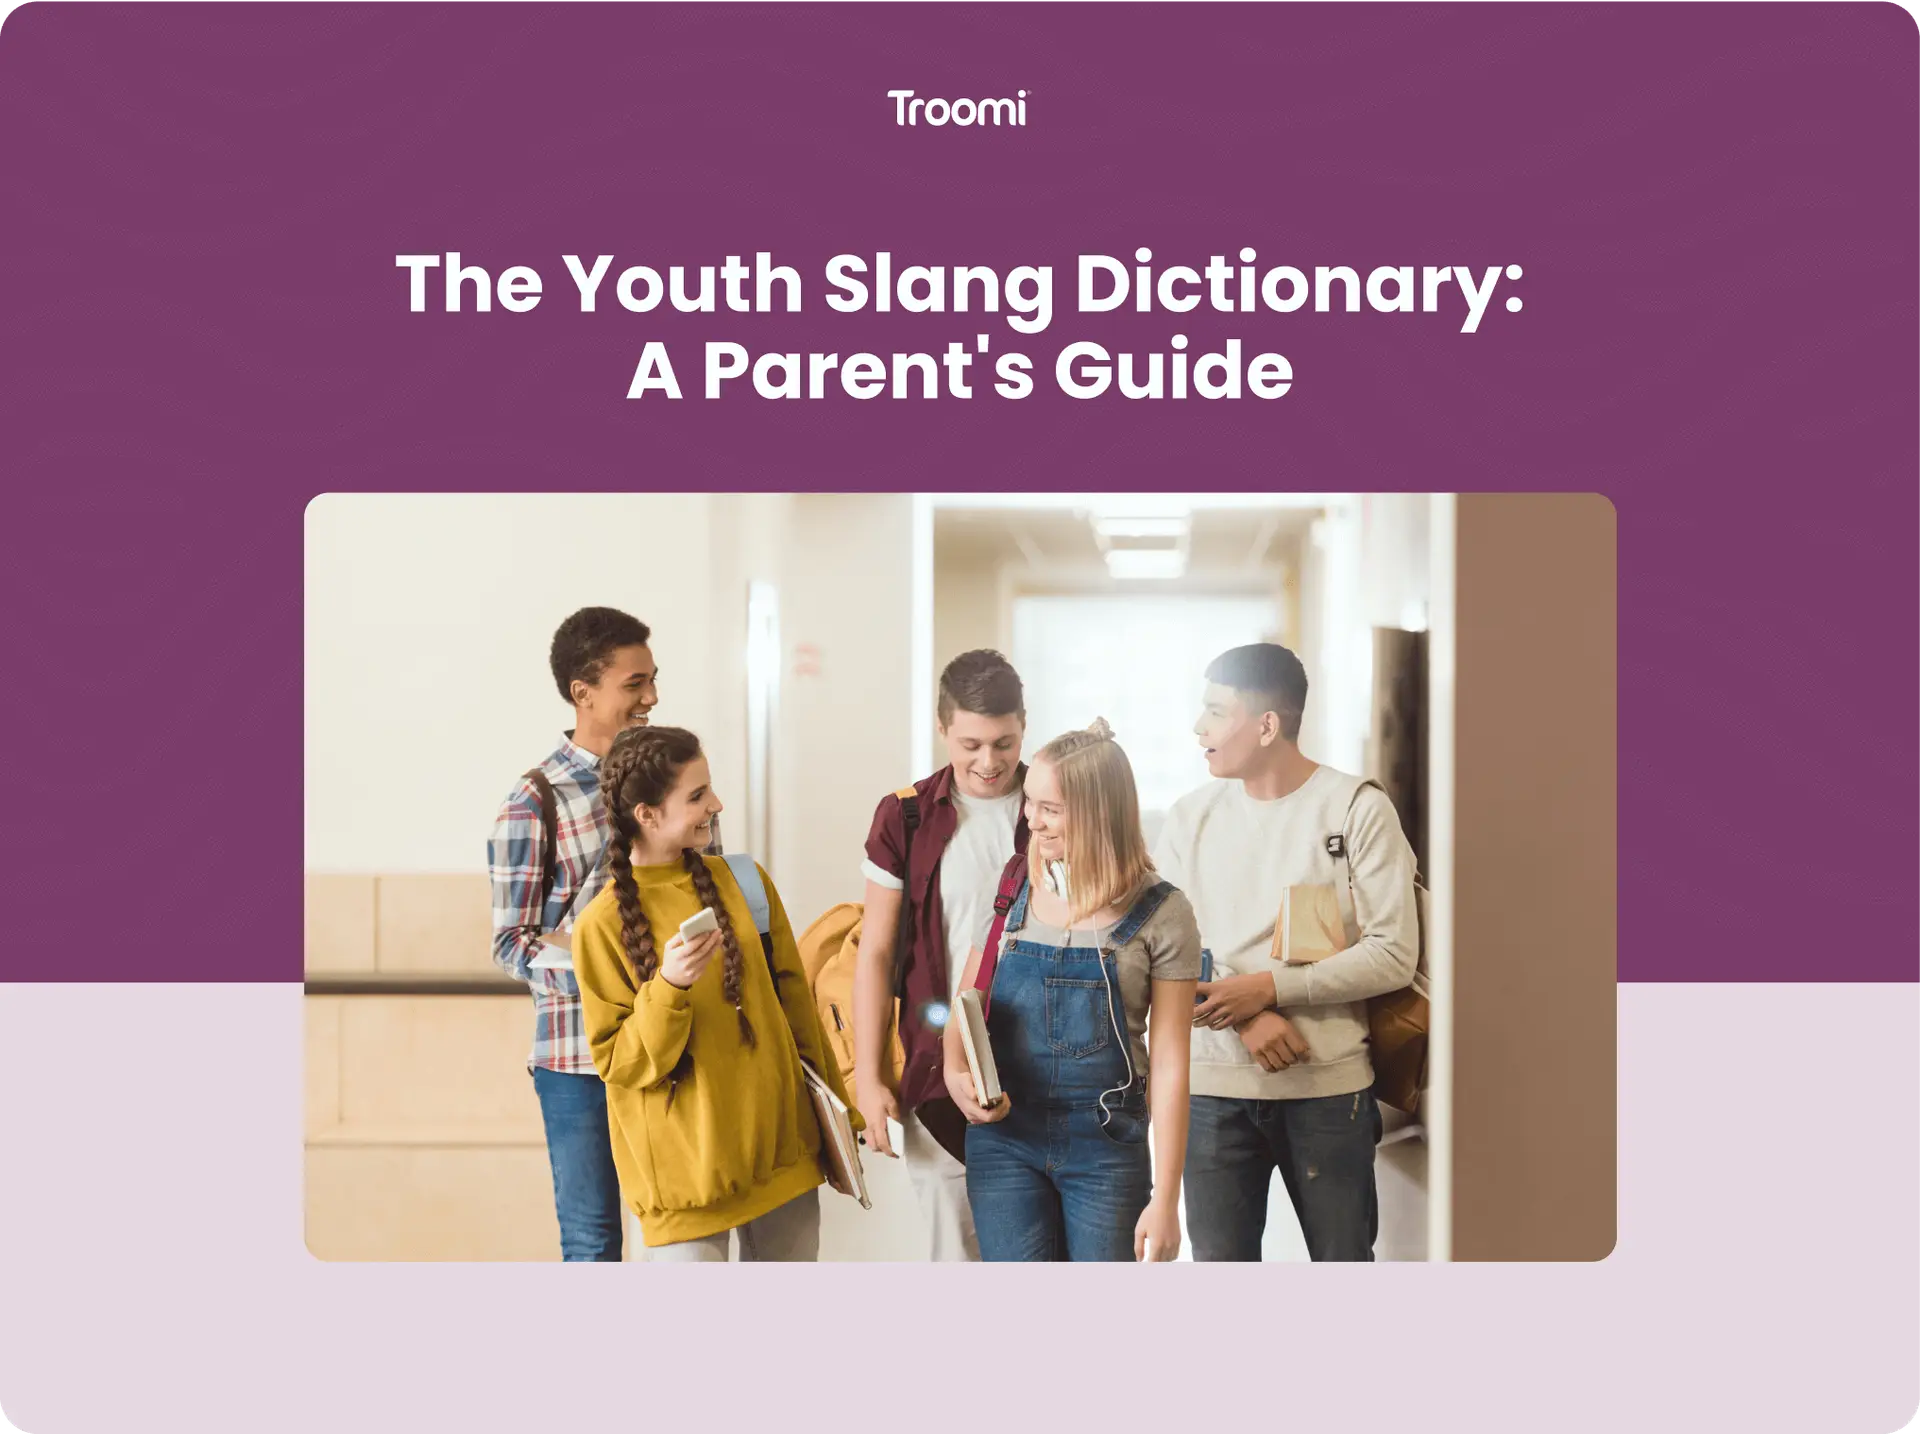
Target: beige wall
{"x": 971, "y": 608}
{"x": 1534, "y": 879}
{"x": 428, "y": 619}
{"x": 415, "y": 1103}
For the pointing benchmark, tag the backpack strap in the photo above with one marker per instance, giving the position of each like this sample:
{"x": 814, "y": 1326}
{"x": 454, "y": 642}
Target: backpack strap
{"x": 1339, "y": 847}
{"x": 1013, "y": 880}
{"x": 746, "y": 873}
{"x": 1337, "y": 844}
{"x": 909, "y": 798}
{"x": 1144, "y": 907}
{"x": 549, "y": 834}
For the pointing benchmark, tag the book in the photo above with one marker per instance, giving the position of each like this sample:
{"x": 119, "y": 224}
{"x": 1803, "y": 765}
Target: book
{"x": 839, "y": 1150}
{"x": 973, "y": 1037}
{"x": 1308, "y": 927}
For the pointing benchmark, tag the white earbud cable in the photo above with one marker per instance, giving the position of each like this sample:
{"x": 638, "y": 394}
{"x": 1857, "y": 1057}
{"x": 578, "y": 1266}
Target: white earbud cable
{"x": 1113, "y": 1017}
{"x": 1057, "y": 879}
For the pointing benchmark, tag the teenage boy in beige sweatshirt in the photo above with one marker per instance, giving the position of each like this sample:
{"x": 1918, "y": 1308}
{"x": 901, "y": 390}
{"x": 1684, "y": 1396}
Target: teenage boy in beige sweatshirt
{"x": 1281, "y": 1077}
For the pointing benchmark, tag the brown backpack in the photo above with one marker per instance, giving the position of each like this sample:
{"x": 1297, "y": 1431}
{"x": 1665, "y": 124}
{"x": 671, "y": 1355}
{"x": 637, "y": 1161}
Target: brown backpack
{"x": 1398, "y": 1022}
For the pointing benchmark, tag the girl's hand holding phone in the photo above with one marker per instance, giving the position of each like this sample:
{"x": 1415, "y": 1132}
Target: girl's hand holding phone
{"x": 683, "y": 961}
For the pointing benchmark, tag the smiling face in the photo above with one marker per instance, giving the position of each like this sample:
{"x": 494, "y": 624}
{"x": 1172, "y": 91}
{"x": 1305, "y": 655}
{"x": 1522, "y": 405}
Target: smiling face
{"x": 1232, "y": 733}
{"x": 985, "y": 751}
{"x": 684, "y": 819}
{"x": 624, "y": 694}
{"x": 1046, "y": 812}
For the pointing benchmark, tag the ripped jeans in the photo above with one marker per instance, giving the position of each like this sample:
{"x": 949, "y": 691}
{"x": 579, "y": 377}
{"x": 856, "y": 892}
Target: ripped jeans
{"x": 1323, "y": 1148}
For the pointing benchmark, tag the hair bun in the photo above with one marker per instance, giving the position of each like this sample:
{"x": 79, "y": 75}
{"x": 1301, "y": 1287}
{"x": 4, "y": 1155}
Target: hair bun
{"x": 1099, "y": 728}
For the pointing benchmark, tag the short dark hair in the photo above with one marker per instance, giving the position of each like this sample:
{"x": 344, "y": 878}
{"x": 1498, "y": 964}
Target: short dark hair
{"x": 583, "y": 644}
{"x": 981, "y": 681}
{"x": 1270, "y": 676}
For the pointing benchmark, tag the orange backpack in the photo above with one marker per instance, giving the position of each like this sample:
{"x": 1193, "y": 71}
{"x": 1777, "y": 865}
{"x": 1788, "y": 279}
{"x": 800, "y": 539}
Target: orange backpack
{"x": 829, "y": 951}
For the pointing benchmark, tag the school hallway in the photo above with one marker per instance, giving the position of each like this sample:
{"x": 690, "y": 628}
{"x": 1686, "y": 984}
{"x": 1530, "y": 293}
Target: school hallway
{"x": 800, "y": 635}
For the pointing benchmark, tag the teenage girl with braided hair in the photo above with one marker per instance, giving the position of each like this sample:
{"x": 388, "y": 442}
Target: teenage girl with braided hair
{"x": 699, "y": 1042}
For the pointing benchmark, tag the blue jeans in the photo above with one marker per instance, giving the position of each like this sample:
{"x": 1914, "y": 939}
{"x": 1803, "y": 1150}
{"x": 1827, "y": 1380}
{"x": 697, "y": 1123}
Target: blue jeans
{"x": 586, "y": 1188}
{"x": 1049, "y": 1184}
{"x": 1323, "y": 1147}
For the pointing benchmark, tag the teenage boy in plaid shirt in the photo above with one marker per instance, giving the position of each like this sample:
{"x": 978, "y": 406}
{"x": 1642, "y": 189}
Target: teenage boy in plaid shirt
{"x": 603, "y": 666}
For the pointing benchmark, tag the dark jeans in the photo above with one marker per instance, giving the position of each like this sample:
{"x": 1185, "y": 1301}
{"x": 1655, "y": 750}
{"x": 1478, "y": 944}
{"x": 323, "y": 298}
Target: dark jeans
{"x": 1323, "y": 1147}
{"x": 586, "y": 1189}
{"x": 1049, "y": 1184}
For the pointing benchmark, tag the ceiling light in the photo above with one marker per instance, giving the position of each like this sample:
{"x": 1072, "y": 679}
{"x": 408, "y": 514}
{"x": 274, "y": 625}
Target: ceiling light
{"x": 1141, "y": 505}
{"x": 1141, "y": 527}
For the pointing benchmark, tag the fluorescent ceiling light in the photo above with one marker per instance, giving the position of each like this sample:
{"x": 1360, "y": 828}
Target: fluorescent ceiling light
{"x": 1142, "y": 527}
{"x": 1161, "y": 563}
{"x": 1141, "y": 505}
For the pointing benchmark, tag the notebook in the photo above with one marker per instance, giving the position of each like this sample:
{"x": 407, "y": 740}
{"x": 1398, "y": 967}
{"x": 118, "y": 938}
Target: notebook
{"x": 839, "y": 1150}
{"x": 973, "y": 1036}
{"x": 1308, "y": 927}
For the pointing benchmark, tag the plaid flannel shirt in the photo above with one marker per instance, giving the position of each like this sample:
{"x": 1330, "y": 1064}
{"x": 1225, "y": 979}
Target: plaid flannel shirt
{"x": 519, "y": 919}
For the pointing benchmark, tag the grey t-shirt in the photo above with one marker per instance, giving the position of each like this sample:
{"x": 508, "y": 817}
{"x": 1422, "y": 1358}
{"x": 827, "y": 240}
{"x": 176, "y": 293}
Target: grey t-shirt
{"x": 1166, "y": 948}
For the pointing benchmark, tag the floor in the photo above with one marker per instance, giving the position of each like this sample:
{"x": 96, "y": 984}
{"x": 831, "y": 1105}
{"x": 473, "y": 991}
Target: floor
{"x": 890, "y": 1230}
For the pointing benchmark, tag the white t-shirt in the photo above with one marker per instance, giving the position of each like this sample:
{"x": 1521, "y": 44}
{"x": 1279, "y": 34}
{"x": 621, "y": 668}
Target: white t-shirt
{"x": 982, "y": 846}
{"x": 969, "y": 874}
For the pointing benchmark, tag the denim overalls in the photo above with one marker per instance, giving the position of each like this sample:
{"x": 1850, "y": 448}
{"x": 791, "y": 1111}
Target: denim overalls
{"x": 1055, "y": 1180}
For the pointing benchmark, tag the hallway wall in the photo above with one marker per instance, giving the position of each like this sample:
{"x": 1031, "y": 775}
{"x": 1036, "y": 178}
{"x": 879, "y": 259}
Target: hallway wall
{"x": 846, "y": 730}
{"x": 428, "y": 618}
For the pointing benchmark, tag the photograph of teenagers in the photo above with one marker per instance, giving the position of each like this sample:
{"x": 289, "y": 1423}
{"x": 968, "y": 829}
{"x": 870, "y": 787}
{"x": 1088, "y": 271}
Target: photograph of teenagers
{"x": 1106, "y": 877}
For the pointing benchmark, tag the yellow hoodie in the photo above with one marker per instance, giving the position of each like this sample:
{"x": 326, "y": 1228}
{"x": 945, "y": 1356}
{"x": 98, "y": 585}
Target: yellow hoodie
{"x": 739, "y": 1137}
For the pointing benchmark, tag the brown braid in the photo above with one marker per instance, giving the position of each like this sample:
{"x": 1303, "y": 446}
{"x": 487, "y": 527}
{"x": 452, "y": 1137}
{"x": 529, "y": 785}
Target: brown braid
{"x": 641, "y": 768}
{"x": 733, "y": 971}
{"x": 635, "y": 934}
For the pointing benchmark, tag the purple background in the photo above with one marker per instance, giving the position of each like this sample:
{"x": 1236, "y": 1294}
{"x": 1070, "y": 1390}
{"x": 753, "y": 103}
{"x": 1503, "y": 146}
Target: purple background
{"x": 1715, "y": 207}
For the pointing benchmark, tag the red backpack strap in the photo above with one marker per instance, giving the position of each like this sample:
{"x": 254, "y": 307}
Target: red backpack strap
{"x": 1011, "y": 880}
{"x": 909, "y": 799}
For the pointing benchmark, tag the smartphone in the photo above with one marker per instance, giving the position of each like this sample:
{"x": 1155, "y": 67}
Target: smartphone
{"x": 1206, "y": 972}
{"x": 698, "y": 924}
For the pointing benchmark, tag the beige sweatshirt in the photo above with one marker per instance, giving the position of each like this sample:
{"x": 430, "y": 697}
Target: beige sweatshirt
{"x": 1233, "y": 856}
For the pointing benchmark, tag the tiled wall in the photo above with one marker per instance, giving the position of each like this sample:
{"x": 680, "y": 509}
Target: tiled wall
{"x": 423, "y": 1137}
